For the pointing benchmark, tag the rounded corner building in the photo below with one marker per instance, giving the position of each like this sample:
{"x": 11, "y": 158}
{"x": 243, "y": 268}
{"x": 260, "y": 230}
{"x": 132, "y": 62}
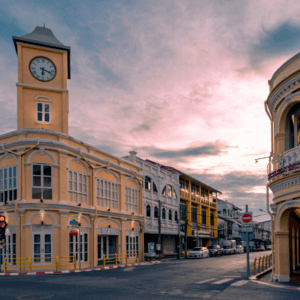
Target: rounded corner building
{"x": 283, "y": 109}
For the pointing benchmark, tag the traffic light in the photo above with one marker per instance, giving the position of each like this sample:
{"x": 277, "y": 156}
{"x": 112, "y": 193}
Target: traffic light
{"x": 2, "y": 228}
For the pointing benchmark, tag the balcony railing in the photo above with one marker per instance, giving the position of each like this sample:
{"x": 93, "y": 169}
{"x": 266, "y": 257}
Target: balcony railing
{"x": 284, "y": 163}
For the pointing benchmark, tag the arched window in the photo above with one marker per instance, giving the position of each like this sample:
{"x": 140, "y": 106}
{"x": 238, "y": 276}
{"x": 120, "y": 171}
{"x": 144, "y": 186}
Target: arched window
{"x": 174, "y": 194}
{"x": 147, "y": 183}
{"x": 170, "y": 215}
{"x": 292, "y": 128}
{"x": 155, "y": 212}
{"x": 163, "y": 213}
{"x": 167, "y": 189}
{"x": 154, "y": 188}
{"x": 164, "y": 191}
{"x": 148, "y": 211}
{"x": 176, "y": 215}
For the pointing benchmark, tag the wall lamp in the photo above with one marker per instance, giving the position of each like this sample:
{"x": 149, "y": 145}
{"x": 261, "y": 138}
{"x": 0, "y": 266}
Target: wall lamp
{"x": 108, "y": 209}
{"x": 42, "y": 214}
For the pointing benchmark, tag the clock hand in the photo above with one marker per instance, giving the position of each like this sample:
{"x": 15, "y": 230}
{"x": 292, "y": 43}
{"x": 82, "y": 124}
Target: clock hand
{"x": 42, "y": 71}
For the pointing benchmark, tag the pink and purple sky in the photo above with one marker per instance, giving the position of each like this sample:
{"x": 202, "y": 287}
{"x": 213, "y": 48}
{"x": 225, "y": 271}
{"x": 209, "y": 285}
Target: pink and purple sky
{"x": 181, "y": 82}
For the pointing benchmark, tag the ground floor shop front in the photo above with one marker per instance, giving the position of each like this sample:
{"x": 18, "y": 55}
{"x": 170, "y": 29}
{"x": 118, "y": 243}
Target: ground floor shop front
{"x": 45, "y": 234}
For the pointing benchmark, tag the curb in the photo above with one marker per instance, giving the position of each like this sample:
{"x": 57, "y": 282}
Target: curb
{"x": 82, "y": 271}
{"x": 255, "y": 279}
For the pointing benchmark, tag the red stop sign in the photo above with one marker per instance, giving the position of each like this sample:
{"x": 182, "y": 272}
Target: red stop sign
{"x": 247, "y": 218}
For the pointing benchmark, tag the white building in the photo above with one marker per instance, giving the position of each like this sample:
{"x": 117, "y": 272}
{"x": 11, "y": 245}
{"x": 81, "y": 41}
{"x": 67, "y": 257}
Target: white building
{"x": 160, "y": 184}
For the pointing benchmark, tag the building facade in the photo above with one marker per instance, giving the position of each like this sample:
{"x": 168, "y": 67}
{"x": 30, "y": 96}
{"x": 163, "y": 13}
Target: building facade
{"x": 52, "y": 183}
{"x": 282, "y": 107}
{"x": 160, "y": 200}
{"x": 229, "y": 223}
{"x": 198, "y": 210}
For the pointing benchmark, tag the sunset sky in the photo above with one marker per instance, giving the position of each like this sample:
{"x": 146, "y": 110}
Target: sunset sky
{"x": 181, "y": 82}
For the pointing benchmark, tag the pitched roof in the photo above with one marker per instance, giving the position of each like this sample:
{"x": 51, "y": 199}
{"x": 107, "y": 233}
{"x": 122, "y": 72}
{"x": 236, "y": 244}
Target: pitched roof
{"x": 44, "y": 37}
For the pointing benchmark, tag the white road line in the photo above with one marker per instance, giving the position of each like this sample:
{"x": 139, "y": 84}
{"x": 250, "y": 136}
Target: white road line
{"x": 239, "y": 283}
{"x": 222, "y": 281}
{"x": 231, "y": 276}
{"x": 207, "y": 280}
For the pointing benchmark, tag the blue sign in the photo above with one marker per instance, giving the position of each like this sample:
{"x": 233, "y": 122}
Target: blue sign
{"x": 151, "y": 248}
{"x": 244, "y": 236}
{"x": 74, "y": 222}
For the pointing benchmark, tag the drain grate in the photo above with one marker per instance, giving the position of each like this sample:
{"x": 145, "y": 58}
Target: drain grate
{"x": 34, "y": 297}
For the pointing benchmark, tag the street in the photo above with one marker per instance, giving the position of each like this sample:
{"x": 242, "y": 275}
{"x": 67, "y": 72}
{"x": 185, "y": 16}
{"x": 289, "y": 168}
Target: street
{"x": 209, "y": 278}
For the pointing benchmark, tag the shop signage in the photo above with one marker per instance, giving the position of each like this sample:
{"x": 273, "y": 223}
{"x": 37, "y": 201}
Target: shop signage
{"x": 73, "y": 232}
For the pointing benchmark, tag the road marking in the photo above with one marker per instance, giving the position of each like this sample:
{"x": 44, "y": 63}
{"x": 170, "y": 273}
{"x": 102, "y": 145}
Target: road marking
{"x": 231, "y": 276}
{"x": 222, "y": 281}
{"x": 239, "y": 283}
{"x": 207, "y": 280}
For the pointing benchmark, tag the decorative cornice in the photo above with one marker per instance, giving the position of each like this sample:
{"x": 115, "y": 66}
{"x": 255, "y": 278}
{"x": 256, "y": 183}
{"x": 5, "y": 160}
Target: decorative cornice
{"x": 281, "y": 91}
{"x": 285, "y": 184}
{"x": 38, "y": 87}
{"x": 72, "y": 209}
{"x": 45, "y": 142}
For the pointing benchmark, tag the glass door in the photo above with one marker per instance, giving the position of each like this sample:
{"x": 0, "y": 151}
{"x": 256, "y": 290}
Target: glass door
{"x": 42, "y": 245}
{"x": 107, "y": 246}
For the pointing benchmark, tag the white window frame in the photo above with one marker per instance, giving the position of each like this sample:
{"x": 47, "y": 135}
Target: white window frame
{"x": 43, "y": 112}
{"x": 42, "y": 230}
{"x": 132, "y": 244}
{"x": 78, "y": 196}
{"x": 84, "y": 254}
{"x": 10, "y": 245}
{"x": 131, "y": 200}
{"x": 8, "y": 183}
{"x": 107, "y": 194}
{"x": 42, "y": 187}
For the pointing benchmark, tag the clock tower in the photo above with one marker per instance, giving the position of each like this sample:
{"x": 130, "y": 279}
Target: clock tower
{"x": 43, "y": 72}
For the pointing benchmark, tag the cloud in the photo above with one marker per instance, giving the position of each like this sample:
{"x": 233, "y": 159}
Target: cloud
{"x": 205, "y": 150}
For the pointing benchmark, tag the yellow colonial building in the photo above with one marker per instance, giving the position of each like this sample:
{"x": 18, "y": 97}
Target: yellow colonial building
{"x": 198, "y": 210}
{"x": 283, "y": 109}
{"x": 51, "y": 183}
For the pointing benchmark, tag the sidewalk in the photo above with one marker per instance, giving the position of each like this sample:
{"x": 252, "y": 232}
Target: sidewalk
{"x": 294, "y": 284}
{"x": 44, "y": 272}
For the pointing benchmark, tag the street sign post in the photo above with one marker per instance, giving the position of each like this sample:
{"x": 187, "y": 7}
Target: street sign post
{"x": 247, "y": 228}
{"x": 247, "y": 221}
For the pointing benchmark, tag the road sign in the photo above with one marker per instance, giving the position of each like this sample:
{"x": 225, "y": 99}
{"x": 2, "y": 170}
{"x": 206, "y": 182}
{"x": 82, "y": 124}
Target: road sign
{"x": 2, "y": 246}
{"x": 247, "y": 228}
{"x": 247, "y": 218}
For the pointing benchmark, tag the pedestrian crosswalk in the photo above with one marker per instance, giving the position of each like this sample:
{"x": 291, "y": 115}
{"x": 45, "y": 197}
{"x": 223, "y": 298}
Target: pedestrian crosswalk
{"x": 224, "y": 280}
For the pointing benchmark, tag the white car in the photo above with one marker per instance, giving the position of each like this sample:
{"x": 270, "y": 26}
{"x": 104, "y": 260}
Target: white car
{"x": 239, "y": 249}
{"x": 198, "y": 252}
{"x": 228, "y": 250}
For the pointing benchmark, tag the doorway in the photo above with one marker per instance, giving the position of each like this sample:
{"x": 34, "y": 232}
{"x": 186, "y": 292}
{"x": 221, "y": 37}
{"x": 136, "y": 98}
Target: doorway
{"x": 106, "y": 245}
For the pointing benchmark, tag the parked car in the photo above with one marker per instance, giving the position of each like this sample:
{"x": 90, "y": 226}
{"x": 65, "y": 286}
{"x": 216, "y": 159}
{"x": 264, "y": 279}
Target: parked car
{"x": 269, "y": 247}
{"x": 215, "y": 250}
{"x": 228, "y": 250}
{"x": 198, "y": 252}
{"x": 239, "y": 249}
{"x": 261, "y": 248}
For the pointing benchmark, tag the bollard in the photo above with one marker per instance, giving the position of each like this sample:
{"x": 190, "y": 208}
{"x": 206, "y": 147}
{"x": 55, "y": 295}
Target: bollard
{"x": 56, "y": 262}
{"x": 126, "y": 259}
{"x": 116, "y": 258}
{"x": 5, "y": 267}
{"x": 104, "y": 260}
{"x": 137, "y": 258}
{"x": 74, "y": 262}
{"x": 30, "y": 264}
{"x": 259, "y": 261}
{"x": 254, "y": 266}
{"x": 263, "y": 264}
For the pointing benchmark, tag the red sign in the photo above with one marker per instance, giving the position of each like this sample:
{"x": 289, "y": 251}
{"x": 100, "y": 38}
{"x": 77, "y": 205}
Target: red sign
{"x": 73, "y": 232}
{"x": 247, "y": 218}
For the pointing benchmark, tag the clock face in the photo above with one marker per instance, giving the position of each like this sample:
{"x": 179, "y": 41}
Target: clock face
{"x": 42, "y": 68}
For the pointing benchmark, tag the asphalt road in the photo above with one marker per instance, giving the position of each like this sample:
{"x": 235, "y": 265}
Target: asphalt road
{"x": 209, "y": 278}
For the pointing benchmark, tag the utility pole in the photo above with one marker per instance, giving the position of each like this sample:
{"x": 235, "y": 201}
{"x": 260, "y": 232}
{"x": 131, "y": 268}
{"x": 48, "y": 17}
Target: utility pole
{"x": 159, "y": 228}
{"x": 197, "y": 239}
{"x": 179, "y": 237}
{"x": 248, "y": 265}
{"x": 185, "y": 237}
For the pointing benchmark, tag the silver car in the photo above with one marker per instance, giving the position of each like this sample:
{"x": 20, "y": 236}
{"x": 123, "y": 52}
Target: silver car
{"x": 239, "y": 249}
{"x": 198, "y": 252}
{"x": 228, "y": 250}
